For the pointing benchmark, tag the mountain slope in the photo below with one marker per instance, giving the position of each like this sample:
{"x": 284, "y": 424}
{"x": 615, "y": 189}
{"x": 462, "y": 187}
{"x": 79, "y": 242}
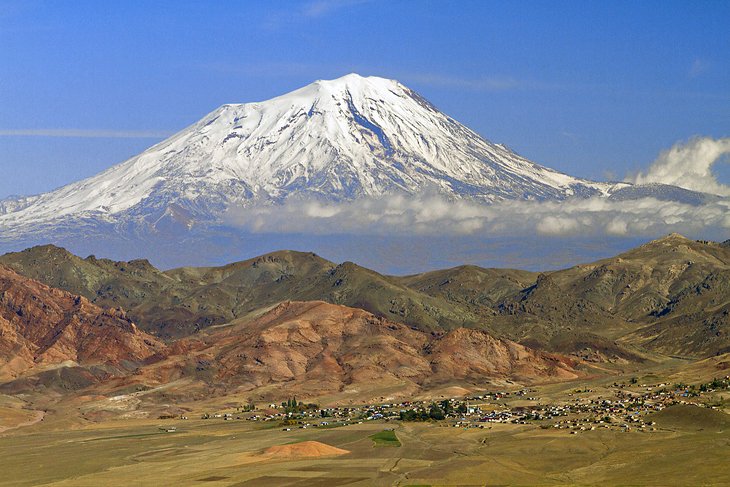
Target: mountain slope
{"x": 315, "y": 348}
{"x": 671, "y": 295}
{"x": 471, "y": 286}
{"x": 335, "y": 140}
{"x": 181, "y": 301}
{"x": 42, "y": 326}
{"x": 679, "y": 287}
{"x": 105, "y": 282}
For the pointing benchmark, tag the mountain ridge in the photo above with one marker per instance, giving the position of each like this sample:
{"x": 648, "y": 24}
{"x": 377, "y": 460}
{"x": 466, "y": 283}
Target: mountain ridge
{"x": 55, "y": 341}
{"x": 673, "y": 284}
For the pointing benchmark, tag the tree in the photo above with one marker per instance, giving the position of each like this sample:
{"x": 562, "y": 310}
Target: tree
{"x": 436, "y": 412}
{"x": 447, "y": 407}
{"x": 414, "y": 415}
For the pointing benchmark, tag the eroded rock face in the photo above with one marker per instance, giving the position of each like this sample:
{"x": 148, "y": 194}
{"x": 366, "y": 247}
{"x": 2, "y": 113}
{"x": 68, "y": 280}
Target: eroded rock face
{"x": 42, "y": 326}
{"x": 317, "y": 347}
{"x": 469, "y": 354}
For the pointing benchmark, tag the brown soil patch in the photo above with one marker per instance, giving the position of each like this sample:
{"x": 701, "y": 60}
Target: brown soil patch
{"x": 305, "y": 449}
{"x": 36, "y": 418}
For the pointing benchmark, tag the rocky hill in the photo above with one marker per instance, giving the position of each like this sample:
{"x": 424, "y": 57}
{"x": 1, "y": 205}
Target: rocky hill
{"x": 313, "y": 348}
{"x": 44, "y": 327}
{"x": 178, "y": 302}
{"x": 649, "y": 298}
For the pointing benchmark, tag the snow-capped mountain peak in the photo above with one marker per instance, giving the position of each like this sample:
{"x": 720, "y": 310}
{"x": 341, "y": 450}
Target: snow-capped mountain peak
{"x": 333, "y": 139}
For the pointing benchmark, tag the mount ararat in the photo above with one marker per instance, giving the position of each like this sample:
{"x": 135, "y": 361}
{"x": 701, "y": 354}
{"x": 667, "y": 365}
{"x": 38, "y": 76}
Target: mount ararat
{"x": 331, "y": 141}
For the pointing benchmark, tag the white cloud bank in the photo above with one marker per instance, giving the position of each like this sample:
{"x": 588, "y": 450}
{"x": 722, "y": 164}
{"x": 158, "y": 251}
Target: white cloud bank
{"x": 431, "y": 214}
{"x": 689, "y": 166}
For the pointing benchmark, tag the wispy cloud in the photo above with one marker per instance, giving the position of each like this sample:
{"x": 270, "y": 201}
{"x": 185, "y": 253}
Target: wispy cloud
{"x": 320, "y": 8}
{"x": 485, "y": 83}
{"x": 697, "y": 68}
{"x": 86, "y": 133}
{"x": 267, "y": 69}
{"x": 503, "y": 83}
{"x": 308, "y": 11}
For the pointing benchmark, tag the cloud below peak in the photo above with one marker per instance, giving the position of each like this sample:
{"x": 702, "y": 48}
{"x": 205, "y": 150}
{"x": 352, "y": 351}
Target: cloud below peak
{"x": 432, "y": 215}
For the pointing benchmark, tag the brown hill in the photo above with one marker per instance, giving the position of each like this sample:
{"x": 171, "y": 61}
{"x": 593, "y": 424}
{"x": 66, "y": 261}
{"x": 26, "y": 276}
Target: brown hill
{"x": 648, "y": 299}
{"x": 317, "y": 348}
{"x": 471, "y": 286}
{"x": 654, "y": 279}
{"x": 686, "y": 417}
{"x": 41, "y": 326}
{"x": 110, "y": 284}
{"x": 671, "y": 295}
{"x": 179, "y": 302}
{"x": 303, "y": 449}
{"x": 472, "y": 354}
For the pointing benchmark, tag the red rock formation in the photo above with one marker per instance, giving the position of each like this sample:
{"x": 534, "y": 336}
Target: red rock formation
{"x": 317, "y": 347}
{"x": 42, "y": 326}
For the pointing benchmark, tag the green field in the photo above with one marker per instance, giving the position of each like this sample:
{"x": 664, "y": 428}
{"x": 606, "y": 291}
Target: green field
{"x": 385, "y": 438}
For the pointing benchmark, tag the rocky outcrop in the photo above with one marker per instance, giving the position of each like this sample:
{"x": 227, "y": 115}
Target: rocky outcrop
{"x": 316, "y": 347}
{"x": 41, "y": 326}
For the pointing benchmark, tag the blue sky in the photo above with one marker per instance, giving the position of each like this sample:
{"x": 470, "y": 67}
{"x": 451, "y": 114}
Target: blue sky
{"x": 595, "y": 89}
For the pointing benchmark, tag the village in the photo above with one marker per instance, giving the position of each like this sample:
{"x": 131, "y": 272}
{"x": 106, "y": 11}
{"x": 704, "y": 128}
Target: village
{"x": 628, "y": 409}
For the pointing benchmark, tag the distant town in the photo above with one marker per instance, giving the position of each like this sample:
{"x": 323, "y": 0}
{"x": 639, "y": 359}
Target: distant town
{"x": 628, "y": 409}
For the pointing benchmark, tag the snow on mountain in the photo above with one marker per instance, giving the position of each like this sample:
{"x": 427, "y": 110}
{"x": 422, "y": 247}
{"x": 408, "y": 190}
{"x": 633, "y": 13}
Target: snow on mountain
{"x": 336, "y": 140}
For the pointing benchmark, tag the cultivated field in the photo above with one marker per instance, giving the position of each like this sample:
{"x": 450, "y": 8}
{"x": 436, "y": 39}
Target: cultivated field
{"x": 689, "y": 447}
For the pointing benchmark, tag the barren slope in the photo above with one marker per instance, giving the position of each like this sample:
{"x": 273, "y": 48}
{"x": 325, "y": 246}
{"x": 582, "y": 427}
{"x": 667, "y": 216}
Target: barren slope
{"x": 41, "y": 326}
{"x": 316, "y": 348}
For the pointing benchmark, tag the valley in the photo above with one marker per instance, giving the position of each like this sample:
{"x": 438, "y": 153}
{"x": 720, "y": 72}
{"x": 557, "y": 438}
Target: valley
{"x": 465, "y": 375}
{"x": 679, "y": 444}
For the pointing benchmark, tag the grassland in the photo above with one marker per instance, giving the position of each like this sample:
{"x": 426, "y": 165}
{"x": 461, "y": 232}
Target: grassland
{"x": 686, "y": 449}
{"x": 385, "y": 438}
{"x": 688, "y": 445}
